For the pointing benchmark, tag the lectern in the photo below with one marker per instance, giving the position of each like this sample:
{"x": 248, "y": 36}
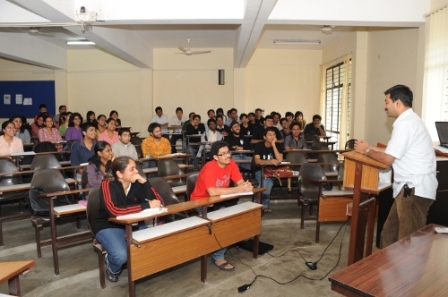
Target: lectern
{"x": 362, "y": 174}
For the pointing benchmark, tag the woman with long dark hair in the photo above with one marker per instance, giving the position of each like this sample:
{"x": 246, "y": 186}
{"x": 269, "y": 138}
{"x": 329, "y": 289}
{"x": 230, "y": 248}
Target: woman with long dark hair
{"x": 74, "y": 131}
{"x": 100, "y": 164}
{"x": 21, "y": 132}
{"x": 37, "y": 125}
{"x": 109, "y": 135}
{"x": 114, "y": 114}
{"x": 90, "y": 117}
{"x": 128, "y": 192}
{"x": 100, "y": 124}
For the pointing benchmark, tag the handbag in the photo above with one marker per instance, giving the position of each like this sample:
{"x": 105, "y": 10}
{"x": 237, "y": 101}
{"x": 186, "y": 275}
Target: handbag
{"x": 278, "y": 172}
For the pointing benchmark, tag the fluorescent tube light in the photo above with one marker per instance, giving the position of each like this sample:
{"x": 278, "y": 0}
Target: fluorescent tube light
{"x": 80, "y": 42}
{"x": 297, "y": 41}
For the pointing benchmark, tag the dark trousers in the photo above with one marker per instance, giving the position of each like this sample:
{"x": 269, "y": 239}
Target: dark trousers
{"x": 173, "y": 141}
{"x": 407, "y": 215}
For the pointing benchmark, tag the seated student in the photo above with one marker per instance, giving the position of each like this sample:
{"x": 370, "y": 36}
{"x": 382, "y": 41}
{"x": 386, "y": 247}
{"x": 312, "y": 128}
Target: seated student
{"x": 289, "y": 117}
{"x": 210, "y": 136}
{"x": 114, "y": 114}
{"x": 246, "y": 127}
{"x": 83, "y": 149}
{"x": 155, "y": 145}
{"x": 286, "y": 130}
{"x": 49, "y": 133}
{"x": 74, "y": 131}
{"x": 21, "y": 132}
{"x": 195, "y": 128}
{"x": 42, "y": 109}
{"x": 9, "y": 144}
{"x": 162, "y": 119}
{"x": 298, "y": 118}
{"x": 221, "y": 127}
{"x": 238, "y": 142}
{"x": 124, "y": 147}
{"x": 100, "y": 164}
{"x": 259, "y": 131}
{"x": 36, "y": 126}
{"x": 266, "y": 152}
{"x": 213, "y": 180}
{"x": 128, "y": 192}
{"x": 109, "y": 135}
{"x": 176, "y": 123}
{"x": 315, "y": 128}
{"x": 91, "y": 117}
{"x": 63, "y": 123}
{"x": 100, "y": 124}
{"x": 62, "y": 109}
{"x": 295, "y": 140}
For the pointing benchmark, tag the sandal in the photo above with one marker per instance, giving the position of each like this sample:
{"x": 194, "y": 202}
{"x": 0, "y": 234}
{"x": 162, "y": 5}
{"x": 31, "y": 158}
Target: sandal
{"x": 223, "y": 266}
{"x": 267, "y": 210}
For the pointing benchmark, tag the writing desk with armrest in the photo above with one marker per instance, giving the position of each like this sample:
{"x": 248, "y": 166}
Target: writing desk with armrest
{"x": 196, "y": 235}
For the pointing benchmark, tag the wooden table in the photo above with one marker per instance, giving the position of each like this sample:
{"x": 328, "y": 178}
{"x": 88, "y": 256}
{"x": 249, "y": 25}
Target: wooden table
{"x": 414, "y": 266}
{"x": 165, "y": 239}
{"x": 10, "y": 271}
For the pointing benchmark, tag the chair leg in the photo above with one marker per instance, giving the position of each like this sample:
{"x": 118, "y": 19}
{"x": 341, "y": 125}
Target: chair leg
{"x": 302, "y": 216}
{"x": 37, "y": 224}
{"x": 289, "y": 185}
{"x": 1, "y": 227}
{"x": 317, "y": 230}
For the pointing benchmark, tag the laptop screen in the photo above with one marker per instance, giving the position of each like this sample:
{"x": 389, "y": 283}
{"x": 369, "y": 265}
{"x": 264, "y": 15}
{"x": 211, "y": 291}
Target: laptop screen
{"x": 442, "y": 132}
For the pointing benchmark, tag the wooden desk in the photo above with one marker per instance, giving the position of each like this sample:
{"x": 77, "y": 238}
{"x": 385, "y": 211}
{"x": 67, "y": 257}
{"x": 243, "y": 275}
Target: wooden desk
{"x": 414, "y": 266}
{"x": 10, "y": 271}
{"x": 191, "y": 231}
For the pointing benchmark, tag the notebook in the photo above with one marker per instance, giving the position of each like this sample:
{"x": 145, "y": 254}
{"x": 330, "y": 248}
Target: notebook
{"x": 442, "y": 132}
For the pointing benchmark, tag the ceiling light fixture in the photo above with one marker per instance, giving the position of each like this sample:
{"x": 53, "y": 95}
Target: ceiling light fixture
{"x": 80, "y": 42}
{"x": 297, "y": 41}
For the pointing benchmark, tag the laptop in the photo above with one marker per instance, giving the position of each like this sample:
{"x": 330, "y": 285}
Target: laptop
{"x": 442, "y": 132}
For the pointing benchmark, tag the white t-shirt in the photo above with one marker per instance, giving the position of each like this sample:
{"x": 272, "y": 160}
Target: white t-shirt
{"x": 161, "y": 120}
{"x": 176, "y": 122}
{"x": 415, "y": 162}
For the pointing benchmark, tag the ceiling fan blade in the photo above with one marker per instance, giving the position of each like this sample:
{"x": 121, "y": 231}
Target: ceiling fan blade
{"x": 39, "y": 25}
{"x": 200, "y": 52}
{"x": 182, "y": 49}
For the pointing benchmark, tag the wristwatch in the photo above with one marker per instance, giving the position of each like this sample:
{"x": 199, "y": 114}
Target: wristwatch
{"x": 367, "y": 151}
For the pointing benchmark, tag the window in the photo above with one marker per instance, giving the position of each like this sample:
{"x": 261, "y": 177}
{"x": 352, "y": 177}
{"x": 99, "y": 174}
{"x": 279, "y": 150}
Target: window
{"x": 337, "y": 102}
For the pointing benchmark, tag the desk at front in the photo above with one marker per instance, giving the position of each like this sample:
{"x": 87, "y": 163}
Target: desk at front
{"x": 184, "y": 240}
{"x": 414, "y": 266}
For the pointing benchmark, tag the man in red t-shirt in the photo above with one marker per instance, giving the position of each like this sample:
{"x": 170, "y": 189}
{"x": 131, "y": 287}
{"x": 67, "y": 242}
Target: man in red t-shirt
{"x": 213, "y": 180}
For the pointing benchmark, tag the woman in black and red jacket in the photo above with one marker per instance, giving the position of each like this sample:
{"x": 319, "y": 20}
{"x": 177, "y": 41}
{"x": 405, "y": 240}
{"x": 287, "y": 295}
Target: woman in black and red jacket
{"x": 127, "y": 193}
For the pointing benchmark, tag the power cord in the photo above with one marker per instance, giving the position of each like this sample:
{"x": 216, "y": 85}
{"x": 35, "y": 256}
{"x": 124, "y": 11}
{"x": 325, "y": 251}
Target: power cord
{"x": 311, "y": 265}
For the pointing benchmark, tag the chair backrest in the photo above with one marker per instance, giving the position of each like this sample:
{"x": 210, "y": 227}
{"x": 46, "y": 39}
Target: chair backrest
{"x": 138, "y": 149}
{"x": 9, "y": 166}
{"x": 93, "y": 207}
{"x": 136, "y": 140}
{"x": 191, "y": 183}
{"x": 350, "y": 144}
{"x": 43, "y": 147}
{"x": 308, "y": 172}
{"x": 49, "y": 180}
{"x": 319, "y": 146}
{"x": 45, "y": 162}
{"x": 168, "y": 167}
{"x": 296, "y": 157}
{"x": 330, "y": 160}
{"x": 163, "y": 188}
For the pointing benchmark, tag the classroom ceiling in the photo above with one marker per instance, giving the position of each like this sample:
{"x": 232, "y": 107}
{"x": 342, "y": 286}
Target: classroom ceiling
{"x": 132, "y": 29}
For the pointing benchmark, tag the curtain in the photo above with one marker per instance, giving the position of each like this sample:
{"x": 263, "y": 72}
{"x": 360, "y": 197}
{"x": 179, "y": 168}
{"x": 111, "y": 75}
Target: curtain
{"x": 435, "y": 84}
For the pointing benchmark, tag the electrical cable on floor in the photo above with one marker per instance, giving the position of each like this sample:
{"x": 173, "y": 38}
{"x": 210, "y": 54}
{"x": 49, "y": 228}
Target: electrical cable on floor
{"x": 246, "y": 287}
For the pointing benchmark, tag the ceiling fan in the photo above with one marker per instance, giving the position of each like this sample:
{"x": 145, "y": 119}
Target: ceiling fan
{"x": 327, "y": 29}
{"x": 187, "y": 51}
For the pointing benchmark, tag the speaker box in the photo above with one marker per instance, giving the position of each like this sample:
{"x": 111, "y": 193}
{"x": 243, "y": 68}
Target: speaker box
{"x": 221, "y": 77}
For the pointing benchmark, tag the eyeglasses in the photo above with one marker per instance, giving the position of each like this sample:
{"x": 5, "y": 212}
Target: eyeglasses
{"x": 223, "y": 154}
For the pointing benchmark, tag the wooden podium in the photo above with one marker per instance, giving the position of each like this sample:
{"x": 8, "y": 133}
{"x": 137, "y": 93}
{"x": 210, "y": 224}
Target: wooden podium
{"x": 361, "y": 173}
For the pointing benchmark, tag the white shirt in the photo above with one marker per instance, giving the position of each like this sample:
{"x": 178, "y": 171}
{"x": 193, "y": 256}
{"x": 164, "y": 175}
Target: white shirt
{"x": 161, "y": 120}
{"x": 176, "y": 122}
{"x": 415, "y": 162}
{"x": 211, "y": 136}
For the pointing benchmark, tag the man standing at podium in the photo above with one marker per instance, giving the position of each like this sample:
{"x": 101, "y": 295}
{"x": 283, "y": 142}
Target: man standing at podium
{"x": 411, "y": 154}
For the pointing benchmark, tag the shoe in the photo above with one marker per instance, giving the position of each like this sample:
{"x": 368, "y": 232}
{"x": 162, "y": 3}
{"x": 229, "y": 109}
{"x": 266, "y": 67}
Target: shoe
{"x": 223, "y": 266}
{"x": 112, "y": 277}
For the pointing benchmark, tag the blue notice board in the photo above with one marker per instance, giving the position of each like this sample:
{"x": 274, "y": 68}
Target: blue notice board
{"x": 24, "y": 97}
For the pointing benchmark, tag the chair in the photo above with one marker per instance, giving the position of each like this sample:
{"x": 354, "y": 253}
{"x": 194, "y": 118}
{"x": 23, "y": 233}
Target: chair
{"x": 43, "y": 147}
{"x": 331, "y": 204}
{"x": 330, "y": 163}
{"x": 169, "y": 198}
{"x": 7, "y": 198}
{"x": 45, "y": 162}
{"x": 350, "y": 144}
{"x": 191, "y": 183}
{"x": 138, "y": 149}
{"x": 168, "y": 168}
{"x": 45, "y": 181}
{"x": 309, "y": 192}
{"x": 295, "y": 157}
{"x": 136, "y": 141}
{"x": 93, "y": 206}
